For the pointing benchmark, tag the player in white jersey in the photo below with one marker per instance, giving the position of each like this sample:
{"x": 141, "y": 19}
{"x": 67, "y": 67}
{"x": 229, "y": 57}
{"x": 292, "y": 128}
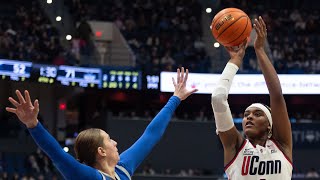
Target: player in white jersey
{"x": 266, "y": 150}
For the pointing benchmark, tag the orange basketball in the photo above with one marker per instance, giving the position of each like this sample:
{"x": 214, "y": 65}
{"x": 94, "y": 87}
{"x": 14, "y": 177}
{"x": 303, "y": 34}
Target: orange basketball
{"x": 231, "y": 26}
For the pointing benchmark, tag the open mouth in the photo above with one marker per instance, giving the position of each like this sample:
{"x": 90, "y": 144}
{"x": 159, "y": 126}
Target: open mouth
{"x": 249, "y": 124}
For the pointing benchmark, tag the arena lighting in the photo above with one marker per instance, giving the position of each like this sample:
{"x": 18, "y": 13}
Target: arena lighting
{"x": 68, "y": 37}
{"x": 58, "y": 18}
{"x": 216, "y": 44}
{"x": 49, "y": 1}
{"x": 66, "y": 149}
{"x": 208, "y": 10}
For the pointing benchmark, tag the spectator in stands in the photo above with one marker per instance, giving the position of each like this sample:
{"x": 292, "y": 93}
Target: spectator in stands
{"x": 32, "y": 165}
{"x": 28, "y": 35}
{"x": 148, "y": 170}
{"x": 4, "y": 176}
{"x": 312, "y": 173}
{"x": 172, "y": 26}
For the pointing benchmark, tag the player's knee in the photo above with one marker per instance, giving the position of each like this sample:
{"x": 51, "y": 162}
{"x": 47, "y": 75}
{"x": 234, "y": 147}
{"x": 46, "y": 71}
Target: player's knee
{"x": 219, "y": 99}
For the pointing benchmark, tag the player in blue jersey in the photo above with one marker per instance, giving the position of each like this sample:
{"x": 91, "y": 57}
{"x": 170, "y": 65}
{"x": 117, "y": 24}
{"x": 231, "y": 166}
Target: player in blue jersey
{"x": 97, "y": 153}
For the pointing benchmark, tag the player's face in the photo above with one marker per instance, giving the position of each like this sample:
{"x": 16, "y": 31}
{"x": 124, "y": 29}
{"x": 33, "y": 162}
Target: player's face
{"x": 111, "y": 147}
{"x": 255, "y": 123}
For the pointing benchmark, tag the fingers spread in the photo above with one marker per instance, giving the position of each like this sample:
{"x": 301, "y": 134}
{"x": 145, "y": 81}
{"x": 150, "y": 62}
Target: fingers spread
{"x": 174, "y": 82}
{"x": 192, "y": 91}
{"x": 263, "y": 24}
{"x": 20, "y": 97}
{"x": 186, "y": 76}
{"x": 178, "y": 75}
{"x": 12, "y": 110}
{"x": 13, "y": 102}
{"x": 27, "y": 96}
{"x": 182, "y": 75}
{"x": 36, "y": 105}
{"x": 257, "y": 24}
{"x": 257, "y": 30}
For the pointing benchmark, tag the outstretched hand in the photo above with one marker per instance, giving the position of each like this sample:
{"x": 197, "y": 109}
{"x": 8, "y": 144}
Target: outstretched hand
{"x": 180, "y": 86}
{"x": 261, "y": 30}
{"x": 25, "y": 110}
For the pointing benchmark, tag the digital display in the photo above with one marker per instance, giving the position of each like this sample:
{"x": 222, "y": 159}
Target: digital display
{"x": 15, "y": 70}
{"x": 43, "y": 73}
{"x": 121, "y": 79}
{"x": 246, "y": 83}
{"x": 91, "y": 77}
{"x": 79, "y": 76}
{"x": 152, "y": 82}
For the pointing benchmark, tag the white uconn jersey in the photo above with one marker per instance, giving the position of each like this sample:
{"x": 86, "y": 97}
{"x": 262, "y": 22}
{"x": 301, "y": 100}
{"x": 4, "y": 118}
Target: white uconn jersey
{"x": 258, "y": 163}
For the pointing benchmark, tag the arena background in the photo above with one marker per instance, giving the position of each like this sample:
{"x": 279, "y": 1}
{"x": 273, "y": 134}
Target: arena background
{"x": 58, "y": 48}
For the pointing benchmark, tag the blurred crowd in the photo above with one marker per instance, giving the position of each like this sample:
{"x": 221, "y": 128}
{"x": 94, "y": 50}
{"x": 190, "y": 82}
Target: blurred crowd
{"x": 206, "y": 115}
{"x": 26, "y": 33}
{"x": 163, "y": 34}
{"x": 33, "y": 166}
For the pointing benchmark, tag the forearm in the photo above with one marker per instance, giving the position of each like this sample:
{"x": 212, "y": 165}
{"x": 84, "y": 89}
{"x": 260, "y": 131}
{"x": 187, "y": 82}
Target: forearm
{"x": 219, "y": 98}
{"x": 132, "y": 157}
{"x": 44, "y": 140}
{"x": 159, "y": 124}
{"x": 269, "y": 73}
{"x": 227, "y": 76}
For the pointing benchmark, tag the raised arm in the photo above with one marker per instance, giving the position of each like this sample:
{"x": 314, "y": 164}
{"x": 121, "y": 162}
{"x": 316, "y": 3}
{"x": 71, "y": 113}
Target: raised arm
{"x": 64, "y": 162}
{"x": 132, "y": 157}
{"x": 230, "y": 137}
{"x": 281, "y": 125}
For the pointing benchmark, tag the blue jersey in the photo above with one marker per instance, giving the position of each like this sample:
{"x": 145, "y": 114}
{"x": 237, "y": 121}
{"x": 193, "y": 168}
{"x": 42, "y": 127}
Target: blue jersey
{"x": 130, "y": 159}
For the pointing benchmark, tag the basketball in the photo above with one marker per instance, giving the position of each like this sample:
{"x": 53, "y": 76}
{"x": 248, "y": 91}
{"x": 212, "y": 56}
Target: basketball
{"x": 231, "y": 26}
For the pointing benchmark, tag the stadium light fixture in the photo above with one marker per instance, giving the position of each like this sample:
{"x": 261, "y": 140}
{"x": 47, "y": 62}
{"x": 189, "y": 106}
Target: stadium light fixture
{"x": 58, "y": 18}
{"x": 68, "y": 37}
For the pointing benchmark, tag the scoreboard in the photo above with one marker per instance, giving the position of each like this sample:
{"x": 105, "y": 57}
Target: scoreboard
{"x": 15, "y": 70}
{"x": 43, "y": 73}
{"x": 105, "y": 77}
{"x": 80, "y": 76}
{"x": 121, "y": 79}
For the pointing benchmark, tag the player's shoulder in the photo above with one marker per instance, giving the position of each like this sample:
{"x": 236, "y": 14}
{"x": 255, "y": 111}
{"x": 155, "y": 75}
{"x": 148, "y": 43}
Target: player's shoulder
{"x": 122, "y": 172}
